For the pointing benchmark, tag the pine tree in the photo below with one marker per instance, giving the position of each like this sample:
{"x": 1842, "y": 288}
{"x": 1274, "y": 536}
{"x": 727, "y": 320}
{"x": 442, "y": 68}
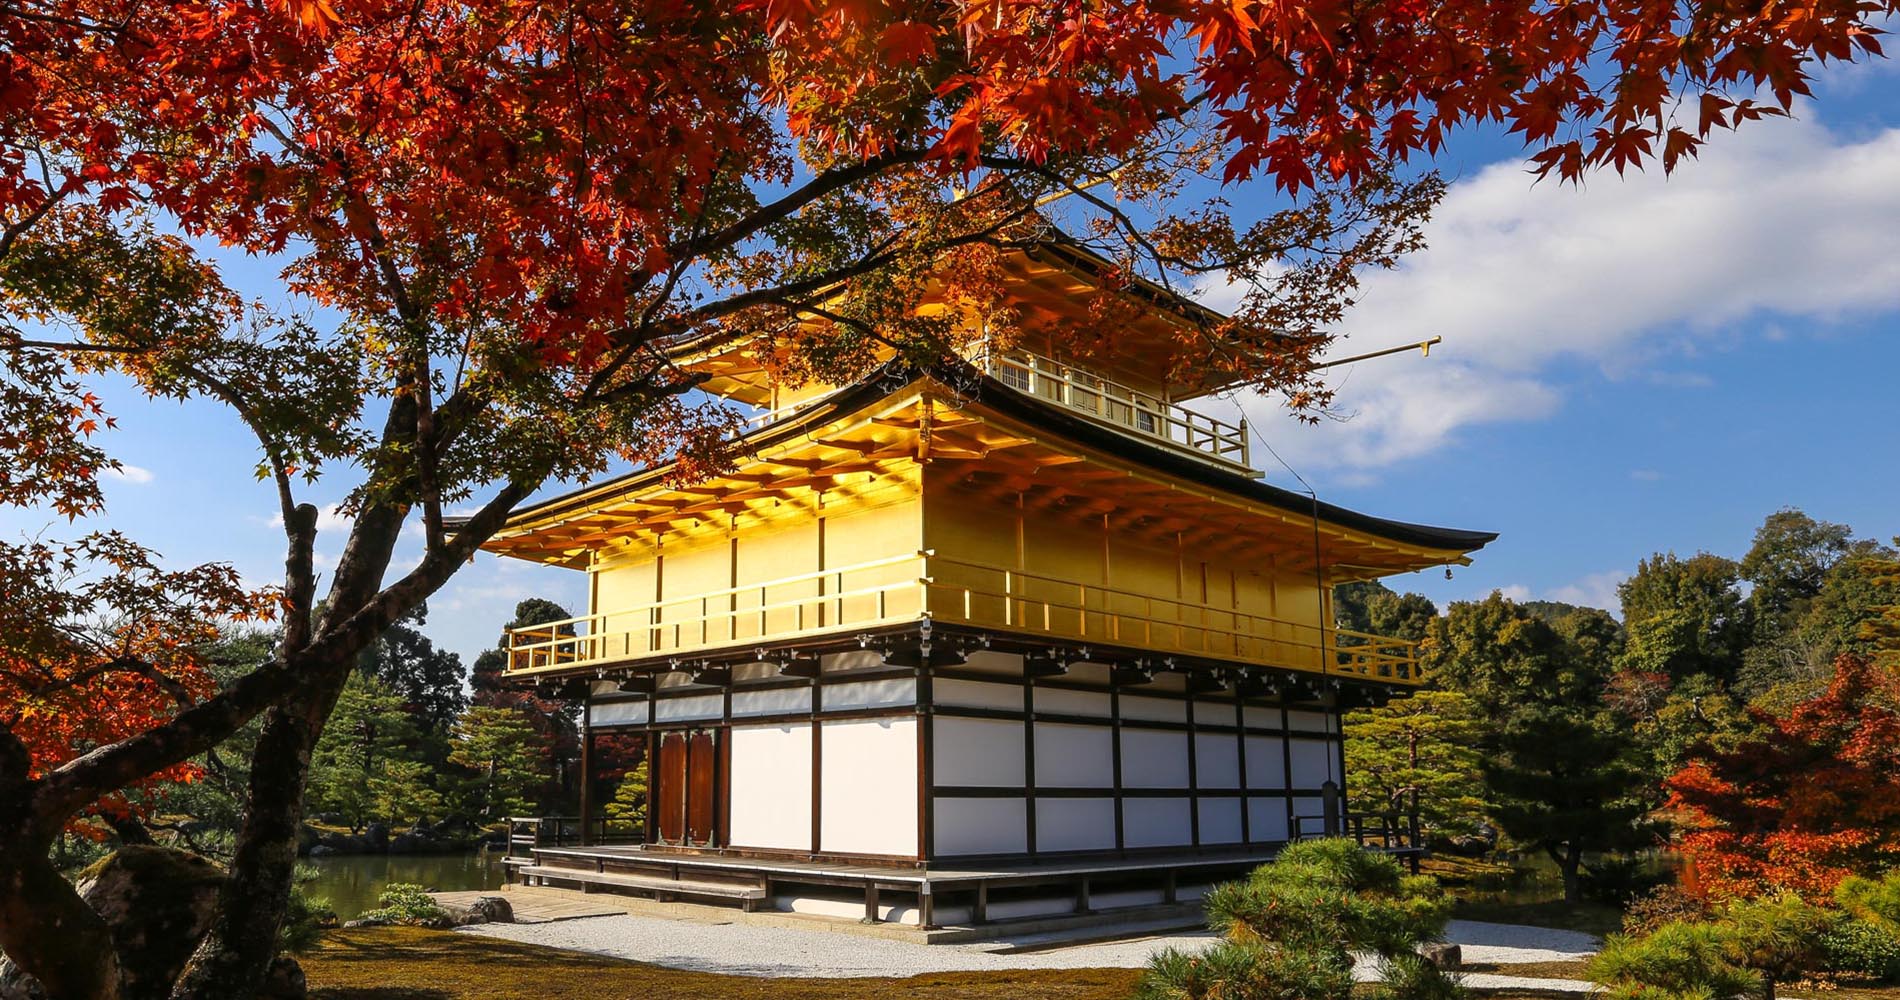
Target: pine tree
{"x": 501, "y": 752}
{"x": 366, "y": 732}
{"x": 1419, "y": 753}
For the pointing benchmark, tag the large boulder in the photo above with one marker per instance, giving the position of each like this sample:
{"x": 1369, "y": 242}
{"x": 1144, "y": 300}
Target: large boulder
{"x": 158, "y": 902}
{"x": 482, "y": 910}
{"x": 1444, "y": 955}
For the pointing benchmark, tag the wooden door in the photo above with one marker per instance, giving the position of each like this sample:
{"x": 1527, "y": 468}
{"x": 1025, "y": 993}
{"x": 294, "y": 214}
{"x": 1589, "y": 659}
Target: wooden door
{"x": 670, "y": 787}
{"x": 702, "y": 787}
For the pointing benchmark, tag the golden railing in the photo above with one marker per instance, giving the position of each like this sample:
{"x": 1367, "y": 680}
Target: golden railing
{"x": 1017, "y": 601}
{"x": 922, "y": 584}
{"x": 1143, "y": 414}
{"x": 857, "y": 595}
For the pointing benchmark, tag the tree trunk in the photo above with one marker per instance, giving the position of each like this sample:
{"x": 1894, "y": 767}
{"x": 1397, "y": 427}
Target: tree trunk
{"x": 1572, "y": 863}
{"x": 233, "y": 959}
{"x": 48, "y": 930}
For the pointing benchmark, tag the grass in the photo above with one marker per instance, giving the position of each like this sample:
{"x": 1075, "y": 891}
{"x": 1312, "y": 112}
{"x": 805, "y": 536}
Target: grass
{"x": 403, "y": 963}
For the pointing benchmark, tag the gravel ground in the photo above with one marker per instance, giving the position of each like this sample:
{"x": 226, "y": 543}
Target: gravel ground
{"x": 753, "y": 950}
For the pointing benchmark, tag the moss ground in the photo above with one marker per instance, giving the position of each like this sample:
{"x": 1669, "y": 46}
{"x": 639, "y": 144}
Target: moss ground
{"x": 400, "y": 963}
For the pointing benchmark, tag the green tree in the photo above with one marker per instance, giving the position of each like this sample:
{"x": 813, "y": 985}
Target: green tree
{"x": 501, "y": 753}
{"x": 366, "y": 733}
{"x": 629, "y": 804}
{"x": 1371, "y": 606}
{"x": 1797, "y": 660}
{"x": 1559, "y": 767}
{"x": 1419, "y": 753}
{"x": 1564, "y": 780}
{"x": 404, "y": 791}
{"x": 1789, "y": 563}
{"x": 427, "y": 679}
{"x": 1686, "y": 616}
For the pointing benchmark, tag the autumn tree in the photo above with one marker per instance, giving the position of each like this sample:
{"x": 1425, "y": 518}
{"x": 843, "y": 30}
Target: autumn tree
{"x": 1813, "y": 799}
{"x": 516, "y": 207}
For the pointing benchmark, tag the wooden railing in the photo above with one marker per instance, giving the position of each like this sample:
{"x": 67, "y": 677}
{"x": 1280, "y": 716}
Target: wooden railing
{"x": 525, "y": 833}
{"x": 1130, "y": 410}
{"x": 998, "y": 597}
{"x": 923, "y": 584}
{"x": 858, "y": 595}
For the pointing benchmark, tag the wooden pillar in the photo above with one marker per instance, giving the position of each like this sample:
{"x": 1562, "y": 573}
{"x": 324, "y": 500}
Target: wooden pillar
{"x": 587, "y": 772}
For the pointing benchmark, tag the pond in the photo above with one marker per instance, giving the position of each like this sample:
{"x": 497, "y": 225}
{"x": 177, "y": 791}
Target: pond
{"x": 351, "y": 882}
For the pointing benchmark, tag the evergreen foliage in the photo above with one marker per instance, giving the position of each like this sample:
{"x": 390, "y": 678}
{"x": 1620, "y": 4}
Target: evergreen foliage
{"x": 1289, "y": 930}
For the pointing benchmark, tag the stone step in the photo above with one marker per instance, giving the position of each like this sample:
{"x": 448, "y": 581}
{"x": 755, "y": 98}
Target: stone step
{"x": 647, "y": 883}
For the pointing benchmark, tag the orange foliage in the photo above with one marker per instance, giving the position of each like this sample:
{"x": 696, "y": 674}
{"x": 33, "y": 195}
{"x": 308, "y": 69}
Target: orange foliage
{"x": 1817, "y": 798}
{"x": 101, "y": 644}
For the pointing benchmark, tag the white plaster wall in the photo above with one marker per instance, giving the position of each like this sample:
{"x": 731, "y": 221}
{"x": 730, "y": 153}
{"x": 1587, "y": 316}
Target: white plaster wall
{"x": 869, "y": 787}
{"x": 1266, "y": 819}
{"x": 977, "y": 752}
{"x": 991, "y": 661}
{"x": 1074, "y": 756}
{"x": 1075, "y": 824}
{"x": 1153, "y": 709}
{"x": 869, "y": 694}
{"x": 771, "y": 786}
{"x": 1266, "y": 762}
{"x": 1090, "y": 704}
{"x": 698, "y": 706}
{"x": 980, "y": 826}
{"x": 1216, "y": 760}
{"x": 771, "y": 701}
{"x": 1309, "y": 721}
{"x": 1150, "y": 759}
{"x": 1313, "y": 763}
{"x": 1214, "y": 713}
{"x": 1220, "y": 821}
{"x": 1156, "y": 822}
{"x": 618, "y": 713}
{"x": 857, "y": 659}
{"x": 976, "y": 694}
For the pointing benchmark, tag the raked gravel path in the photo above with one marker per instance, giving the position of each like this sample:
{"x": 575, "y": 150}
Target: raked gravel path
{"x": 716, "y": 945}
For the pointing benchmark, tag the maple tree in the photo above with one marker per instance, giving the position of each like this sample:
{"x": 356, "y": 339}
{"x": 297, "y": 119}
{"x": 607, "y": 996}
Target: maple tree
{"x": 516, "y": 206}
{"x": 1812, "y": 800}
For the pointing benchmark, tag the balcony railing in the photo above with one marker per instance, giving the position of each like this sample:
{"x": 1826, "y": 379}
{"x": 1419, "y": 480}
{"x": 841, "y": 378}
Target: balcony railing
{"x": 1129, "y": 410}
{"x": 921, "y": 585}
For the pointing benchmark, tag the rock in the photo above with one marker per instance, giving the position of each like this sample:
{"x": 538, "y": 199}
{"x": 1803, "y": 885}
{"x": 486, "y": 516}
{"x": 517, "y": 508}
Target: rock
{"x": 376, "y": 837}
{"x": 158, "y": 903}
{"x": 322, "y": 851}
{"x": 1443, "y": 954}
{"x": 368, "y": 922}
{"x": 285, "y": 981}
{"x": 482, "y": 910}
{"x": 307, "y": 838}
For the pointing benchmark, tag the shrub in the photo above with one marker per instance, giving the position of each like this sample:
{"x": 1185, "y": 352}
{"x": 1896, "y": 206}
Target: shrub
{"x": 403, "y": 903}
{"x": 1873, "y": 901}
{"x": 1778, "y": 938}
{"x": 1667, "y": 904}
{"x": 1680, "y": 961}
{"x": 1291, "y": 925}
{"x": 1856, "y": 947}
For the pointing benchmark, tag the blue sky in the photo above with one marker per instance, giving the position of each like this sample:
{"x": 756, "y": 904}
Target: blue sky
{"x": 1631, "y": 366}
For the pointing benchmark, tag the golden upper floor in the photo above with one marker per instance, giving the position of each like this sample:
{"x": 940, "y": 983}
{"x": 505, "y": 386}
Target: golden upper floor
{"x": 987, "y": 509}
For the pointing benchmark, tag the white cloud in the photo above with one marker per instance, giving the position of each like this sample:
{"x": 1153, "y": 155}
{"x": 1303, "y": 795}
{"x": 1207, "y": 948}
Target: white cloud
{"x": 330, "y": 520}
{"x": 1782, "y": 221}
{"x": 129, "y": 474}
{"x": 1598, "y": 590}
{"x": 1515, "y": 592}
